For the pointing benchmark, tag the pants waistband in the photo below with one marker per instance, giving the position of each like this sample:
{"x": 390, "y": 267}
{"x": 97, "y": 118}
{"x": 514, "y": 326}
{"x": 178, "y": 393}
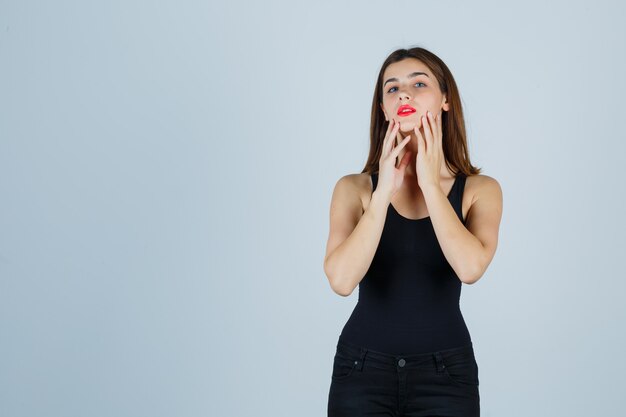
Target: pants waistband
{"x": 391, "y": 361}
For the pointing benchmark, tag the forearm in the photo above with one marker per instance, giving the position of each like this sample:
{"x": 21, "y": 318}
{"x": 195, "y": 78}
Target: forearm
{"x": 347, "y": 264}
{"x": 462, "y": 249}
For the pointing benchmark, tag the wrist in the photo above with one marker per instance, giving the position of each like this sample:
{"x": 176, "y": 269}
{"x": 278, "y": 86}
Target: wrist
{"x": 380, "y": 199}
{"x": 429, "y": 189}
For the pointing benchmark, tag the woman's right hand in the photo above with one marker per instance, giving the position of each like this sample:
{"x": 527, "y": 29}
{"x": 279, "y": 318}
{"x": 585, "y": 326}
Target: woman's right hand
{"x": 390, "y": 178}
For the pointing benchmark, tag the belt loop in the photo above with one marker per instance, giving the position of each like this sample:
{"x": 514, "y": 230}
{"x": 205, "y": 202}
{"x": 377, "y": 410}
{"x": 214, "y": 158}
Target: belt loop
{"x": 439, "y": 361}
{"x": 362, "y": 358}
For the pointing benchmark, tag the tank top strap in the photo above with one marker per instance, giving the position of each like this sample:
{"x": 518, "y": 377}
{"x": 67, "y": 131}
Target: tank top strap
{"x": 374, "y": 180}
{"x": 456, "y": 195}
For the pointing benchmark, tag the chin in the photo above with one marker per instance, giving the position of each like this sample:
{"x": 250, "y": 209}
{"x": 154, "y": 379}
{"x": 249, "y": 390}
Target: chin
{"x": 406, "y": 126}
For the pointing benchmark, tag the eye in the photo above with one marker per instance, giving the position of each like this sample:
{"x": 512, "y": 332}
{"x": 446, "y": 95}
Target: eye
{"x": 419, "y": 82}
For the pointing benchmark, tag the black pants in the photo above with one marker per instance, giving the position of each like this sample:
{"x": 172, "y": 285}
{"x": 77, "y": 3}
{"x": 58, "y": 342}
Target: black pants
{"x": 365, "y": 382}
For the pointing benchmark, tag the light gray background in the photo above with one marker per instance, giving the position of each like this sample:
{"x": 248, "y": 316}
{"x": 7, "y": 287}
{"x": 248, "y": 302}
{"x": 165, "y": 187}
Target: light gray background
{"x": 166, "y": 170}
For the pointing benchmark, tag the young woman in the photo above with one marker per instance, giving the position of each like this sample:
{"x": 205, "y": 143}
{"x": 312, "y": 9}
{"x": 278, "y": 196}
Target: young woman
{"x": 409, "y": 230}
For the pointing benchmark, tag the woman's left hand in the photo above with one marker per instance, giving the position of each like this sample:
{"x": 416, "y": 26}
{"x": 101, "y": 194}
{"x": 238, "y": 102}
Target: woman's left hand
{"x": 429, "y": 151}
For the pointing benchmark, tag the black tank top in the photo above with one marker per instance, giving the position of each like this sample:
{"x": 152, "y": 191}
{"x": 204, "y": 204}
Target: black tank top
{"x": 409, "y": 297}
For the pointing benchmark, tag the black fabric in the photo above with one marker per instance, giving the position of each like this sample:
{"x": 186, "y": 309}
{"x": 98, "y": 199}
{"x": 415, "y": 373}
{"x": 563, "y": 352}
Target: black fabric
{"x": 409, "y": 298}
{"x": 365, "y": 382}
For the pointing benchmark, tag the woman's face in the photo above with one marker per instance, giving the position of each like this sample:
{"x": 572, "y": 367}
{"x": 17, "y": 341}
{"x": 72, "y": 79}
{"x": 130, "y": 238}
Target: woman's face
{"x": 410, "y": 82}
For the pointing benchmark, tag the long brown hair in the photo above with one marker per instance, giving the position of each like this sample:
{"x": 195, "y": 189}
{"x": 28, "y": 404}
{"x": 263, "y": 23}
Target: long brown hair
{"x": 455, "y": 150}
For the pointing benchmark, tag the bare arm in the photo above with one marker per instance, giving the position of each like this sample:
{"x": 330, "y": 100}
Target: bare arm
{"x": 354, "y": 235}
{"x": 468, "y": 248}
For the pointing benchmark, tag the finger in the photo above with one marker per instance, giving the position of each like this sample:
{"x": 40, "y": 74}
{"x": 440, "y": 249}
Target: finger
{"x": 439, "y": 128}
{"x": 386, "y": 137}
{"x": 388, "y": 145}
{"x": 401, "y": 145}
{"x": 399, "y": 137}
{"x": 405, "y": 161}
{"x": 389, "y": 127}
{"x": 421, "y": 145}
{"x": 434, "y": 128}
{"x": 427, "y": 131}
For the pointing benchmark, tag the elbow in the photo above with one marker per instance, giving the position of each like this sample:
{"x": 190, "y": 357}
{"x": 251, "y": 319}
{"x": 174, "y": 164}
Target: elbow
{"x": 475, "y": 267}
{"x": 337, "y": 288}
{"x": 469, "y": 280}
{"x": 472, "y": 275}
{"x": 341, "y": 291}
{"x": 335, "y": 284}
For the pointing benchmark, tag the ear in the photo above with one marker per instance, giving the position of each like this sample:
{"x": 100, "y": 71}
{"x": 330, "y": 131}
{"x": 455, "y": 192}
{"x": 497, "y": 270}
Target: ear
{"x": 383, "y": 109}
{"x": 444, "y": 104}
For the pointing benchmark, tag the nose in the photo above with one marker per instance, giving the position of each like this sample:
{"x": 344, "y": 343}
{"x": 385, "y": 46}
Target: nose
{"x": 403, "y": 95}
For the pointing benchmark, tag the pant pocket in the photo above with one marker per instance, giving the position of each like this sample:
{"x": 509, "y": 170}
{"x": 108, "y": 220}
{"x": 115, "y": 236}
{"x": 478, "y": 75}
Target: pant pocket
{"x": 343, "y": 366}
{"x": 461, "y": 369}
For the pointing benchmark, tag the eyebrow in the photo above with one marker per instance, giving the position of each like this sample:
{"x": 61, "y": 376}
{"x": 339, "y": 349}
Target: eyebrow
{"x": 411, "y": 75}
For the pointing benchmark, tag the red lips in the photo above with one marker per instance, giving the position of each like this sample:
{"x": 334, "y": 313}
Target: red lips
{"x": 405, "y": 110}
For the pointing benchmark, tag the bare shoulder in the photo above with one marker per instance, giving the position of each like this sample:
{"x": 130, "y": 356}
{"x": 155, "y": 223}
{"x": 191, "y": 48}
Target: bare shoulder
{"x": 358, "y": 185}
{"x": 481, "y": 186}
{"x": 485, "y": 202}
